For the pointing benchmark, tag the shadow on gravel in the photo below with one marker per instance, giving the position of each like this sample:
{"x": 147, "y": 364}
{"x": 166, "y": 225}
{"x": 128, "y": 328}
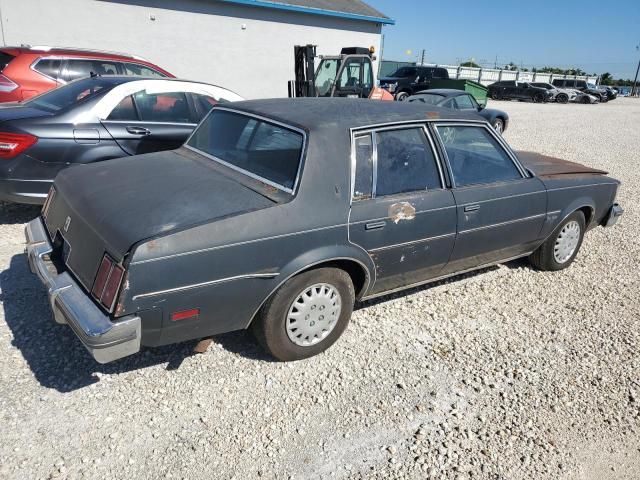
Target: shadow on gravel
{"x": 11, "y": 213}
{"x": 54, "y": 354}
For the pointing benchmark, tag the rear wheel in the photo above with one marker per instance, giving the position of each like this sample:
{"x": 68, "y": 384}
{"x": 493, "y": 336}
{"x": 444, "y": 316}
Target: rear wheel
{"x": 562, "y": 246}
{"x": 585, "y": 99}
{"x": 306, "y": 315}
{"x": 402, "y": 96}
{"x": 562, "y": 98}
{"x": 495, "y": 95}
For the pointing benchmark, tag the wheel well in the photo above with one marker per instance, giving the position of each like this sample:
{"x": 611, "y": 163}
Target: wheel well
{"x": 355, "y": 270}
{"x": 588, "y": 214}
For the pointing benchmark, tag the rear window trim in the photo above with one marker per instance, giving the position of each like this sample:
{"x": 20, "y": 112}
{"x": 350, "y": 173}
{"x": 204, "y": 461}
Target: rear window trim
{"x": 303, "y": 150}
{"x": 35, "y": 63}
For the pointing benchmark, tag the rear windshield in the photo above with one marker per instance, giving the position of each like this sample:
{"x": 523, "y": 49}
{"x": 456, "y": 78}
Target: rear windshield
{"x": 70, "y": 94}
{"x": 428, "y": 98}
{"x": 261, "y": 149}
{"x": 5, "y": 59}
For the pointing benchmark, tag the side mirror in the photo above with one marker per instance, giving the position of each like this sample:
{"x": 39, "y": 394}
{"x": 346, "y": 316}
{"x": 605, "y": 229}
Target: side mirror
{"x": 480, "y": 107}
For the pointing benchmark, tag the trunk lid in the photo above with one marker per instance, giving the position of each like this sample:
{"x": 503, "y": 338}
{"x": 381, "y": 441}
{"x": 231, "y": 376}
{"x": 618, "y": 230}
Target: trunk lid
{"x": 545, "y": 166}
{"x": 15, "y": 111}
{"x": 110, "y": 206}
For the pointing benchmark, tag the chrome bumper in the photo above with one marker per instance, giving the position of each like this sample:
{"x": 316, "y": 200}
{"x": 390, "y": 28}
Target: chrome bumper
{"x": 105, "y": 340}
{"x": 612, "y": 217}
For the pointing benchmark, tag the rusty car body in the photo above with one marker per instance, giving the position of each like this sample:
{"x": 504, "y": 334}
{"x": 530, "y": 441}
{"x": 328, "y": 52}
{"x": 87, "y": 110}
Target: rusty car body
{"x": 277, "y": 215}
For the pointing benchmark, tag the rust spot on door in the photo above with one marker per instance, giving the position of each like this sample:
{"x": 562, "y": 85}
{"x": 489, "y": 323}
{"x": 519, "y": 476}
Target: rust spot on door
{"x": 402, "y": 211}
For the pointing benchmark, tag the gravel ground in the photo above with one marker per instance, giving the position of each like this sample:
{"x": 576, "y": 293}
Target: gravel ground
{"x": 505, "y": 374}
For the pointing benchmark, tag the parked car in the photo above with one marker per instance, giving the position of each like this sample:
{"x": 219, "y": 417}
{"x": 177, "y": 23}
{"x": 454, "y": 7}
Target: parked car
{"x": 513, "y": 90}
{"x": 276, "y": 215}
{"x": 582, "y": 97}
{"x": 95, "y": 119}
{"x": 557, "y": 94}
{"x": 581, "y": 85}
{"x": 29, "y": 71}
{"x": 612, "y": 93}
{"x": 409, "y": 80}
{"x": 461, "y": 100}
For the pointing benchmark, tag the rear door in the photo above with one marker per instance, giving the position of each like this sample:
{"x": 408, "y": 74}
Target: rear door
{"x": 144, "y": 122}
{"x": 500, "y": 208}
{"x": 401, "y": 214}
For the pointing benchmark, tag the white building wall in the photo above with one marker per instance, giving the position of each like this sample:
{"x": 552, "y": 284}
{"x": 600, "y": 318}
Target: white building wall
{"x": 246, "y": 49}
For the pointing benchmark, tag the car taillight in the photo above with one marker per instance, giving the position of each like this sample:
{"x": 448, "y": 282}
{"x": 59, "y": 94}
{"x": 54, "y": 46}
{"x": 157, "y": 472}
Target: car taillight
{"x": 48, "y": 202}
{"x": 107, "y": 282}
{"x": 12, "y": 144}
{"x": 6, "y": 84}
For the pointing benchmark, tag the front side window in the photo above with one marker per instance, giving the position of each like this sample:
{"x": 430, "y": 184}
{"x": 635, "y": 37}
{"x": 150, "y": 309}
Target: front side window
{"x": 405, "y": 162}
{"x": 326, "y": 76}
{"x": 140, "y": 70}
{"x": 475, "y": 156}
{"x": 405, "y": 72}
{"x": 256, "y": 147}
{"x": 465, "y": 102}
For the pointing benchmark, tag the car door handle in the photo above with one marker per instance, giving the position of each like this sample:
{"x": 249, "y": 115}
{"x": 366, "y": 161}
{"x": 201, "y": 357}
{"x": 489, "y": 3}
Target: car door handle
{"x": 471, "y": 208}
{"x": 138, "y": 130}
{"x": 374, "y": 225}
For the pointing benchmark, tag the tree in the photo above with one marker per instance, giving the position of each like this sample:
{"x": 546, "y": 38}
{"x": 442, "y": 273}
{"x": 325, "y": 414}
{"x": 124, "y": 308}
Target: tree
{"x": 606, "y": 79}
{"x": 470, "y": 63}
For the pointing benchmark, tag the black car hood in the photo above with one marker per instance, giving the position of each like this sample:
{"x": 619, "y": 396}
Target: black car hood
{"x": 546, "y": 166}
{"x": 127, "y": 200}
{"x": 18, "y": 112}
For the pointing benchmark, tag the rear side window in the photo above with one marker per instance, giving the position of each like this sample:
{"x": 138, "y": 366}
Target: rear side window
{"x": 169, "y": 107}
{"x": 256, "y": 147}
{"x": 5, "y": 59}
{"x": 140, "y": 70}
{"x": 48, "y": 67}
{"x": 475, "y": 156}
{"x": 405, "y": 162}
{"x": 125, "y": 110}
{"x": 465, "y": 102}
{"x": 84, "y": 68}
{"x": 364, "y": 167}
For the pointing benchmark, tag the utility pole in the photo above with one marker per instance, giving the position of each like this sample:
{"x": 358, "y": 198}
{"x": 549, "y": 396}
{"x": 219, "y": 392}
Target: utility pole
{"x": 635, "y": 80}
{"x": 423, "y": 54}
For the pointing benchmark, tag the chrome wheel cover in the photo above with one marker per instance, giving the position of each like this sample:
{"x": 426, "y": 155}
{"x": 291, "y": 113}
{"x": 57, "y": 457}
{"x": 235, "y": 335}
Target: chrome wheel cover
{"x": 499, "y": 126}
{"x": 566, "y": 242}
{"x": 313, "y": 314}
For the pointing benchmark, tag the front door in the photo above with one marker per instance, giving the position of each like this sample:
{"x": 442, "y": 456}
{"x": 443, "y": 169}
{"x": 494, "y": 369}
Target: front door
{"x": 144, "y": 122}
{"x": 401, "y": 214}
{"x": 355, "y": 78}
{"x": 500, "y": 208}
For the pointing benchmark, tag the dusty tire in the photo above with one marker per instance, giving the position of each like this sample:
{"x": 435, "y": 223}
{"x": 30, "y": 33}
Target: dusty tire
{"x": 303, "y": 299}
{"x": 562, "y": 98}
{"x": 495, "y": 96}
{"x": 402, "y": 96}
{"x": 555, "y": 254}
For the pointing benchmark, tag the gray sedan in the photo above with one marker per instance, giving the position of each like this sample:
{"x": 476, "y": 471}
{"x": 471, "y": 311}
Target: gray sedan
{"x": 277, "y": 215}
{"x": 461, "y": 100}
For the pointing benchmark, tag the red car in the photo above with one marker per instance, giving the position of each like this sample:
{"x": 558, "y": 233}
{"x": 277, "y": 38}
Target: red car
{"x": 28, "y": 71}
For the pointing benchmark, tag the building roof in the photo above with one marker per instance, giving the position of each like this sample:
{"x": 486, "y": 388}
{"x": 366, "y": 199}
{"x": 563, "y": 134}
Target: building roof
{"x": 343, "y": 114}
{"x": 349, "y": 9}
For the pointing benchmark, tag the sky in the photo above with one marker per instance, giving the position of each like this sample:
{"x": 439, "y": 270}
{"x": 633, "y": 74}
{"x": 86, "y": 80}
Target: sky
{"x": 595, "y": 36}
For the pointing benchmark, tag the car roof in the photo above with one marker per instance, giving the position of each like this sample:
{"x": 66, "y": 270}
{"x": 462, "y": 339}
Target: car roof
{"x": 120, "y": 79}
{"x": 79, "y": 52}
{"x": 345, "y": 113}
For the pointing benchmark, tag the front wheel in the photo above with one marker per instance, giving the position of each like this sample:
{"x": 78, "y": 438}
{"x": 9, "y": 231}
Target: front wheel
{"x": 495, "y": 95}
{"x": 562, "y": 98}
{"x": 306, "y": 315}
{"x": 402, "y": 96}
{"x": 562, "y": 246}
{"x": 538, "y": 98}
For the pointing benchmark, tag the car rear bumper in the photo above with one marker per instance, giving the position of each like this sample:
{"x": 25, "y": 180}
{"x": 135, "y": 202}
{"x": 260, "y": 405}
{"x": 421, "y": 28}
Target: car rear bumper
{"x": 104, "y": 339}
{"x": 24, "y": 191}
{"x": 612, "y": 217}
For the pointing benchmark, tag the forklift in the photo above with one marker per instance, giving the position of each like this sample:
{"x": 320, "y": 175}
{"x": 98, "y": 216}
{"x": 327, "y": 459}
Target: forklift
{"x": 349, "y": 74}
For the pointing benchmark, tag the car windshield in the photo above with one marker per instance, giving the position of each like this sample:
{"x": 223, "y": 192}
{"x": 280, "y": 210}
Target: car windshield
{"x": 70, "y": 94}
{"x": 263, "y": 150}
{"x": 405, "y": 72}
{"x": 428, "y": 98}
